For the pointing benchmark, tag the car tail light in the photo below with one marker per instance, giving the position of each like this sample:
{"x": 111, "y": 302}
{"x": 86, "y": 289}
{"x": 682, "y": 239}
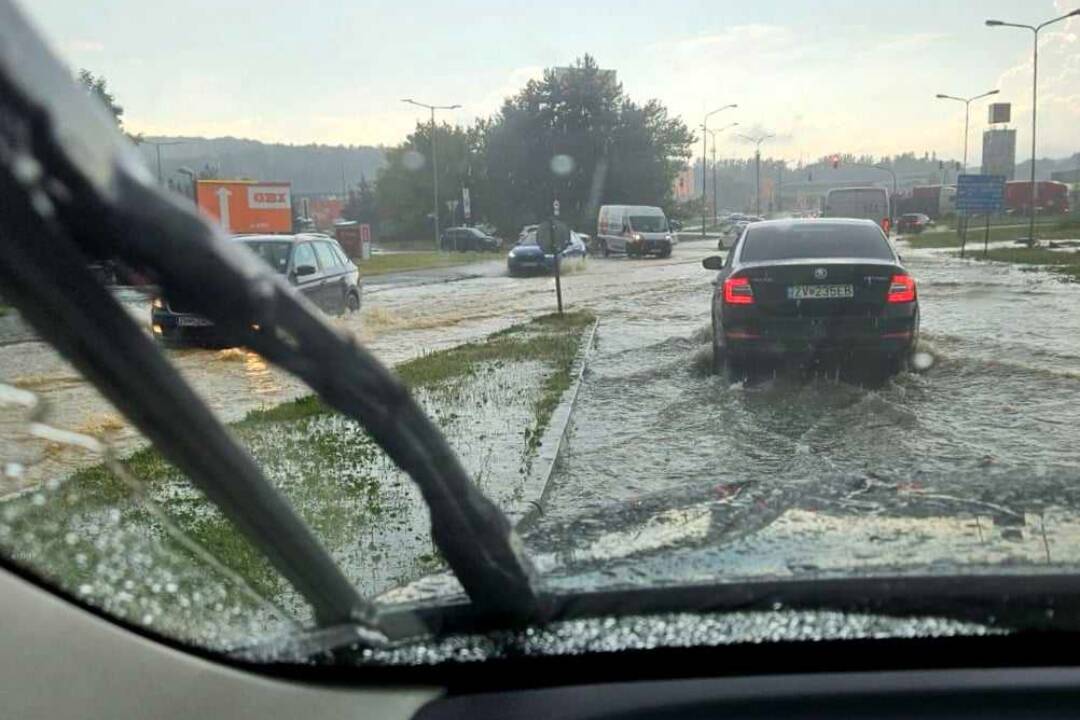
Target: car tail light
{"x": 737, "y": 291}
{"x": 901, "y": 289}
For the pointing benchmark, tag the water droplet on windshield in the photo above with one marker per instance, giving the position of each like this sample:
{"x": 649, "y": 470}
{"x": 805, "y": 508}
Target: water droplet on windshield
{"x": 562, "y": 165}
{"x": 412, "y": 160}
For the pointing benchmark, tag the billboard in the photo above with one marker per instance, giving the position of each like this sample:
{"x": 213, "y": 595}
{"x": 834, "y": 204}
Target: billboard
{"x": 1000, "y": 113}
{"x": 246, "y": 206}
{"x": 999, "y": 153}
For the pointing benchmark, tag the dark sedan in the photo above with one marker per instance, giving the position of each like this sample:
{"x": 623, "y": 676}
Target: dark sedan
{"x": 465, "y": 239}
{"x": 913, "y": 223}
{"x": 809, "y": 288}
{"x": 315, "y": 264}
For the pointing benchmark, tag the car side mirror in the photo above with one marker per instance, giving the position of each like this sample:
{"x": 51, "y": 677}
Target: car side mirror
{"x": 675, "y": 225}
{"x": 713, "y": 262}
{"x": 304, "y": 270}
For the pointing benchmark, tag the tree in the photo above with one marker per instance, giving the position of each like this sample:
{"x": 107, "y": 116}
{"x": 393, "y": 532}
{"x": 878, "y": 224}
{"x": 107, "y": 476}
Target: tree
{"x": 573, "y": 136}
{"x": 403, "y": 190}
{"x": 361, "y": 205}
{"x": 98, "y": 88}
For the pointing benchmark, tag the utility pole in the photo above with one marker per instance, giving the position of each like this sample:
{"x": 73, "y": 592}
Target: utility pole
{"x": 704, "y": 161}
{"x": 967, "y": 111}
{"x": 757, "y": 140}
{"x": 434, "y": 160}
{"x": 712, "y": 134}
{"x": 1034, "y": 98}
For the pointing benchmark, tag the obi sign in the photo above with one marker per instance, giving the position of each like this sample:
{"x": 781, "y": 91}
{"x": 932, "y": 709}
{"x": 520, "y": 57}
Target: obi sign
{"x": 247, "y": 206}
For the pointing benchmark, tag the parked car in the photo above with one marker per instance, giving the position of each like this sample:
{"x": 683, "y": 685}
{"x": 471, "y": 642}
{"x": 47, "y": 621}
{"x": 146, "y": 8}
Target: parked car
{"x": 913, "y": 223}
{"x": 802, "y": 288}
{"x": 466, "y": 239}
{"x": 635, "y": 230}
{"x": 315, "y": 264}
{"x": 527, "y": 257}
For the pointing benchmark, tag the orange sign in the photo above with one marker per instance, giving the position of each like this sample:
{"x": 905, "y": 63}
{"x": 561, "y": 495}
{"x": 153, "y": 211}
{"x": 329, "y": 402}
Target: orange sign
{"x": 247, "y": 206}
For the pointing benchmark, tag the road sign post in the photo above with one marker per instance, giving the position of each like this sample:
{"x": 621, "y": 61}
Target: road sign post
{"x": 554, "y": 236}
{"x": 979, "y": 194}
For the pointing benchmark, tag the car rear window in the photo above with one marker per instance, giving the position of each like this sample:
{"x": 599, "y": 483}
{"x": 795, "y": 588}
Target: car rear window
{"x": 794, "y": 242}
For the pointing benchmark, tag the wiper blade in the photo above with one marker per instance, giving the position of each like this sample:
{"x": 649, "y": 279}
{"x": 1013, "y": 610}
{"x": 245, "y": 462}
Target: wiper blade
{"x": 75, "y": 191}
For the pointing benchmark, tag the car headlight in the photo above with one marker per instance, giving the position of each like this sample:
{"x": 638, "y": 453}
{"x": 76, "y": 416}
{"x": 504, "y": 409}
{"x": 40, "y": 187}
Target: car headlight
{"x": 637, "y": 237}
{"x": 668, "y": 237}
{"x": 158, "y": 303}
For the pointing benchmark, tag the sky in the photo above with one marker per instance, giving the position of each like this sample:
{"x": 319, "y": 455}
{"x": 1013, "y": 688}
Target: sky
{"x": 824, "y": 76}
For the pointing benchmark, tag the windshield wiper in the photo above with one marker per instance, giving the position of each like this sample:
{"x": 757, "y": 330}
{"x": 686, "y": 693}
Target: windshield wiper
{"x": 76, "y": 192}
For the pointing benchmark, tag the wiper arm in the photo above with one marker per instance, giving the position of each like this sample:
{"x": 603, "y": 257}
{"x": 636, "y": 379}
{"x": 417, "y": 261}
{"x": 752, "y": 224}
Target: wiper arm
{"x": 74, "y": 190}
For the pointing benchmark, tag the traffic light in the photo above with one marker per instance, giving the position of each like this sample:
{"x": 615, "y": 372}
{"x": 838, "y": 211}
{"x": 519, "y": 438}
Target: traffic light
{"x": 835, "y": 161}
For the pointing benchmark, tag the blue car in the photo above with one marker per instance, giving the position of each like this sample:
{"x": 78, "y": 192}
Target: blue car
{"x": 527, "y": 258}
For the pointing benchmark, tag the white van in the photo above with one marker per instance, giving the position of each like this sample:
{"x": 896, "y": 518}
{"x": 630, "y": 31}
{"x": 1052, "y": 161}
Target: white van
{"x": 634, "y": 230}
{"x": 867, "y": 203}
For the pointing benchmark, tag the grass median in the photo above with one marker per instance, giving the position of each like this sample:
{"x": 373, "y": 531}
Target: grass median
{"x": 1065, "y": 263}
{"x": 95, "y": 532}
{"x": 383, "y": 263}
{"x": 1058, "y": 230}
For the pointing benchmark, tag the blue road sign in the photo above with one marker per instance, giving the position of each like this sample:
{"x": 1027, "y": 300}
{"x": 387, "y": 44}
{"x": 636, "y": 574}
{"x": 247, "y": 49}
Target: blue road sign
{"x": 980, "y": 193}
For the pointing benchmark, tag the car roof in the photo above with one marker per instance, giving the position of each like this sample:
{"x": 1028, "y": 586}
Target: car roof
{"x": 795, "y": 222}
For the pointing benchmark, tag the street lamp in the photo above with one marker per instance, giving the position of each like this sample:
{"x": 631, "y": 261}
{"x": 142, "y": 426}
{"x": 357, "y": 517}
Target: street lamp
{"x": 1034, "y": 96}
{"x": 157, "y": 147}
{"x": 757, "y": 140}
{"x": 434, "y": 159}
{"x": 704, "y": 160}
{"x": 713, "y": 134}
{"x": 967, "y": 107}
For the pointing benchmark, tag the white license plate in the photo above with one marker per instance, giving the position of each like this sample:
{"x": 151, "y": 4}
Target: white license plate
{"x": 820, "y": 292}
{"x": 192, "y": 321}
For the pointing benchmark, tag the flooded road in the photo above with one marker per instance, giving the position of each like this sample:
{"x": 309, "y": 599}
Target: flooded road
{"x": 665, "y": 454}
{"x": 975, "y": 450}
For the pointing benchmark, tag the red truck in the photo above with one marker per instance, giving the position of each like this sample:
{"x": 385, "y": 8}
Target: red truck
{"x": 1051, "y": 197}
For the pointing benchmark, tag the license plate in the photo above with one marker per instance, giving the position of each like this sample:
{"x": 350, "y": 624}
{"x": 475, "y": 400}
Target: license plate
{"x": 820, "y": 292}
{"x": 192, "y": 321}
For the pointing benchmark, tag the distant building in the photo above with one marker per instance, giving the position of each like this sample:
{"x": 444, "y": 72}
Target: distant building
{"x": 999, "y": 153}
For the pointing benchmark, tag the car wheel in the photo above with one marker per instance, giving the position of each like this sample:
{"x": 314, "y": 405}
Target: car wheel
{"x": 352, "y": 302}
{"x": 604, "y": 248}
{"x": 736, "y": 367}
{"x": 666, "y": 253}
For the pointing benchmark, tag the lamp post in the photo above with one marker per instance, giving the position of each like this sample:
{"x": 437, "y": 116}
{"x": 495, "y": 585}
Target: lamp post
{"x": 704, "y": 159}
{"x": 967, "y": 107}
{"x": 434, "y": 160}
{"x": 1034, "y": 96}
{"x": 757, "y": 140}
{"x": 715, "y": 196}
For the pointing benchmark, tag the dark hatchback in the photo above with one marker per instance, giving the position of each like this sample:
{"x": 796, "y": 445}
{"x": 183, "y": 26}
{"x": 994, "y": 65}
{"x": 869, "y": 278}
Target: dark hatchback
{"x": 314, "y": 264}
{"x": 466, "y": 239}
{"x": 810, "y": 288}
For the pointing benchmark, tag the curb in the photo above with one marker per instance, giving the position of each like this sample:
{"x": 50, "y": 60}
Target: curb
{"x": 554, "y": 437}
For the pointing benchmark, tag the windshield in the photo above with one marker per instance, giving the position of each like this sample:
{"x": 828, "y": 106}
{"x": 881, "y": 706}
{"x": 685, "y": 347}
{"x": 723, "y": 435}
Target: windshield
{"x": 787, "y": 242}
{"x": 648, "y": 223}
{"x": 227, "y": 451}
{"x": 273, "y": 252}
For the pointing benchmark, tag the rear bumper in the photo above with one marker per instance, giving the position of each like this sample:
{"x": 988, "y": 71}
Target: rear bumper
{"x": 813, "y": 336}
